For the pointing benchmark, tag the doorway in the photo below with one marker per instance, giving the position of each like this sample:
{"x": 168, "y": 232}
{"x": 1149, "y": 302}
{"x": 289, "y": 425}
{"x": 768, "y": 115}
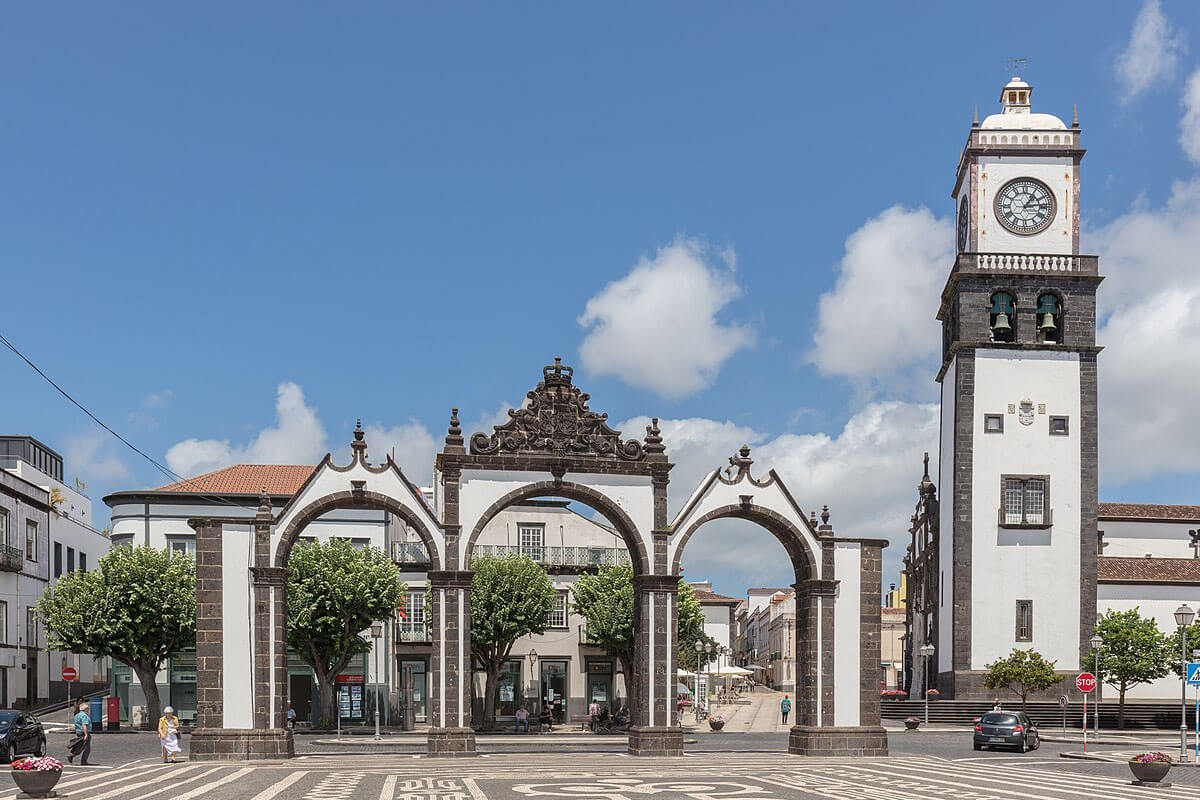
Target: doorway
{"x": 420, "y": 688}
{"x": 600, "y": 683}
{"x": 300, "y": 694}
{"x": 554, "y": 688}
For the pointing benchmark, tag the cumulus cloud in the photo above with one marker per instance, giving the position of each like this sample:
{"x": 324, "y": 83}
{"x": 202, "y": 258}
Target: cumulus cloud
{"x": 867, "y": 473}
{"x": 878, "y": 321}
{"x": 1149, "y": 372}
{"x": 297, "y": 437}
{"x": 657, "y": 327}
{"x": 91, "y": 456}
{"x": 411, "y": 445}
{"x": 1189, "y": 125}
{"x": 1152, "y": 54}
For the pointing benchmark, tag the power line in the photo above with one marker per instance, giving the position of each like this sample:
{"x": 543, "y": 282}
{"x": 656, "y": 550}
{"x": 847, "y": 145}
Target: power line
{"x": 165, "y": 470}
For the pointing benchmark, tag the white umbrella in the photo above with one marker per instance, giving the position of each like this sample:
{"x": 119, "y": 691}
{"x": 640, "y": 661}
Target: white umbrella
{"x": 731, "y": 670}
{"x": 682, "y": 688}
{"x": 683, "y": 673}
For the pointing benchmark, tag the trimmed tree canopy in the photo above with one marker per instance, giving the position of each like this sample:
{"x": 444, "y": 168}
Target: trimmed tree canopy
{"x": 138, "y": 607}
{"x": 1021, "y": 672}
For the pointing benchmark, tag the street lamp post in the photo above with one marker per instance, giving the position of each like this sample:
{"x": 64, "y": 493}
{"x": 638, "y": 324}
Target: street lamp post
{"x": 535, "y": 682}
{"x": 699, "y": 645}
{"x": 1097, "y": 643}
{"x": 1183, "y": 618}
{"x": 708, "y": 653}
{"x": 1196, "y": 716}
{"x": 376, "y": 633}
{"x": 926, "y": 650}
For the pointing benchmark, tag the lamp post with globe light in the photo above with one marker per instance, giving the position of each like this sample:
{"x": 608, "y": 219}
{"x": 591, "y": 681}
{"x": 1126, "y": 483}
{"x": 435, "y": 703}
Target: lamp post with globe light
{"x": 926, "y": 650}
{"x": 1183, "y": 618}
{"x": 1097, "y": 643}
{"x": 376, "y": 634}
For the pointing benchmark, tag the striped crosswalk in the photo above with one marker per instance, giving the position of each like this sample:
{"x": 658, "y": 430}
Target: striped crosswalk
{"x": 597, "y": 776}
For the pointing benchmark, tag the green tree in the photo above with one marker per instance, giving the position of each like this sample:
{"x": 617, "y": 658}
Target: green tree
{"x": 1193, "y": 644}
{"x": 1022, "y": 672}
{"x": 335, "y": 591}
{"x": 1134, "y": 652}
{"x": 605, "y": 601}
{"x": 138, "y": 607}
{"x": 511, "y": 597}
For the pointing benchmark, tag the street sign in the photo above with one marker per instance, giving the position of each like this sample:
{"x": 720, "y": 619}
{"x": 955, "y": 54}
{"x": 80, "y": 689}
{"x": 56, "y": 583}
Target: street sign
{"x": 1062, "y": 702}
{"x": 69, "y": 674}
{"x": 1193, "y": 672}
{"x": 1085, "y": 682}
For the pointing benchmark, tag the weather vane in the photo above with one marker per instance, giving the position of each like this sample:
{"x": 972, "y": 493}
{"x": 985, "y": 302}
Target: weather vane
{"x": 1017, "y": 65}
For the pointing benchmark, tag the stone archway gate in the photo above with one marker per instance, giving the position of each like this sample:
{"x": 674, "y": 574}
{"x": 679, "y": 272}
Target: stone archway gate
{"x": 553, "y": 445}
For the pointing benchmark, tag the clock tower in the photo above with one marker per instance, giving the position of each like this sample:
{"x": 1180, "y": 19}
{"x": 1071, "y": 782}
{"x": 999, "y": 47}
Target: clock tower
{"x": 1018, "y": 462}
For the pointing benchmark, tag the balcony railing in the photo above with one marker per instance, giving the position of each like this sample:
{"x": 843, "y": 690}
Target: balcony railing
{"x": 12, "y": 559}
{"x": 1028, "y": 262}
{"x": 560, "y": 556}
{"x": 409, "y": 553}
{"x": 412, "y": 631}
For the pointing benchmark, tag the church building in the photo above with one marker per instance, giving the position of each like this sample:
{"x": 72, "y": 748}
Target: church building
{"x": 1018, "y": 552}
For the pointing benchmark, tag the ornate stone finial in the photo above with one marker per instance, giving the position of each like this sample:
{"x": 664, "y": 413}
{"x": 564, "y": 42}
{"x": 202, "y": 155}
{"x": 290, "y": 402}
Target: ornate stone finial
{"x": 926, "y": 474}
{"x": 359, "y": 445}
{"x": 264, "y": 504}
{"x": 454, "y": 434}
{"x": 824, "y": 515}
{"x": 1075, "y": 116}
{"x": 654, "y": 442}
{"x": 812, "y": 518}
{"x": 741, "y": 462}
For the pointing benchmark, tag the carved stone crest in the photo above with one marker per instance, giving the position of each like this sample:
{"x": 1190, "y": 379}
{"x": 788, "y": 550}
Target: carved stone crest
{"x": 555, "y": 419}
{"x": 1025, "y": 415}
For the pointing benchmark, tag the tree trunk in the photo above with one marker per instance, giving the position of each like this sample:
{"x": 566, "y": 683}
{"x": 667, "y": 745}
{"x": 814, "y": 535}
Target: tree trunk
{"x": 1121, "y": 710}
{"x": 1023, "y": 696}
{"x": 490, "y": 687}
{"x": 147, "y": 675}
{"x": 325, "y": 694}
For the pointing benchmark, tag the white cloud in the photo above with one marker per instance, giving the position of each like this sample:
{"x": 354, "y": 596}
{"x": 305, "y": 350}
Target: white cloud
{"x": 1152, "y": 53}
{"x": 298, "y": 437}
{"x": 867, "y": 473}
{"x": 1189, "y": 125}
{"x": 90, "y": 456}
{"x": 657, "y": 327}
{"x": 878, "y": 321}
{"x": 1149, "y": 372}
{"x": 412, "y": 445}
{"x": 147, "y": 414}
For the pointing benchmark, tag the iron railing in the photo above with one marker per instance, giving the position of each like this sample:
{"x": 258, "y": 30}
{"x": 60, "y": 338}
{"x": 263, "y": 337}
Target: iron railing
{"x": 12, "y": 559}
{"x": 560, "y": 556}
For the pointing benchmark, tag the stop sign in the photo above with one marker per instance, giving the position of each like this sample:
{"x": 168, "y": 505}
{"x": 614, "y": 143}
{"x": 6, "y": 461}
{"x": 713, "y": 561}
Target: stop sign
{"x": 1085, "y": 682}
{"x": 69, "y": 674}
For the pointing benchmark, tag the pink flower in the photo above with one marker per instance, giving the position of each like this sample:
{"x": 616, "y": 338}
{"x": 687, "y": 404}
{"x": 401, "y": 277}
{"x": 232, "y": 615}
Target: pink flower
{"x": 37, "y": 764}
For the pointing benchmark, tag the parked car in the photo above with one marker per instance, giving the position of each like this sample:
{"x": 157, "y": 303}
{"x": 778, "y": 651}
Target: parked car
{"x": 20, "y": 734}
{"x": 1007, "y": 729}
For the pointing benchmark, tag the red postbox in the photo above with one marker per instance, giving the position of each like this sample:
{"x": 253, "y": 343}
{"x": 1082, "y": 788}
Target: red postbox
{"x": 114, "y": 714}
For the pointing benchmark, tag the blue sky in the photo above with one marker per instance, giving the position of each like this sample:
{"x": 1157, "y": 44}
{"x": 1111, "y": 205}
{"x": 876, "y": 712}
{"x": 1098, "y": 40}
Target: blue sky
{"x": 230, "y": 232}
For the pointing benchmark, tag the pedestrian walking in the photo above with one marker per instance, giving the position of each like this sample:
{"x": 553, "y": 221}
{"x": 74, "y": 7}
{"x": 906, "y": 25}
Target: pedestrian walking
{"x": 785, "y": 706}
{"x": 168, "y": 734}
{"x": 81, "y": 744}
{"x": 593, "y": 714}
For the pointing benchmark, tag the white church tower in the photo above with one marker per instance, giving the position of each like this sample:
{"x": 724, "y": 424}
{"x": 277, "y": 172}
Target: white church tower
{"x": 1017, "y": 521}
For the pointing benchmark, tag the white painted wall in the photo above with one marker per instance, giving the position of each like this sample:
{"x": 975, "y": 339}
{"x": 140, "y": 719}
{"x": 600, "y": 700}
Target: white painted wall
{"x": 1136, "y": 538}
{"x": 1010, "y": 564}
{"x": 995, "y": 172}
{"x": 238, "y": 679}
{"x": 847, "y": 565}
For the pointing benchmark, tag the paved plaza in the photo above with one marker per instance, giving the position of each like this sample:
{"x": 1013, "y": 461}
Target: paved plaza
{"x": 742, "y": 766}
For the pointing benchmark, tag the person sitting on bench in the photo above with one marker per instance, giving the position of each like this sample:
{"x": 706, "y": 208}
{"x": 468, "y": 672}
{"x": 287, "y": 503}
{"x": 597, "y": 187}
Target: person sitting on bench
{"x": 546, "y": 718}
{"x": 521, "y": 720}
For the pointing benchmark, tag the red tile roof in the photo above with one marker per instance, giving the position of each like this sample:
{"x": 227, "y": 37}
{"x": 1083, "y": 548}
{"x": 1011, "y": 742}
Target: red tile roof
{"x": 246, "y": 479}
{"x": 1118, "y": 569}
{"x": 1149, "y": 511}
{"x": 714, "y": 598}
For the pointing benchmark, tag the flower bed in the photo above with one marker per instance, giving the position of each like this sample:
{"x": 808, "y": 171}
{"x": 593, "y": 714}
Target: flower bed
{"x": 894, "y": 694}
{"x": 911, "y": 723}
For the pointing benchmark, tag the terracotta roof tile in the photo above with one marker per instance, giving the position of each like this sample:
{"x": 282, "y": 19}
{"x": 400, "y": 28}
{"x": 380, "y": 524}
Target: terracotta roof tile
{"x": 246, "y": 479}
{"x": 1149, "y": 511}
{"x": 1118, "y": 569}
{"x": 713, "y": 597}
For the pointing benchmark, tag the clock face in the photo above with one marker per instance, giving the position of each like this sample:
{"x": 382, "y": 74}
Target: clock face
{"x": 1025, "y": 206}
{"x": 964, "y": 224}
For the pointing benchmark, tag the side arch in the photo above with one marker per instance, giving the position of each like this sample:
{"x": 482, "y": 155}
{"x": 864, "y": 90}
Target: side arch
{"x": 364, "y": 499}
{"x": 572, "y": 491}
{"x": 779, "y": 526}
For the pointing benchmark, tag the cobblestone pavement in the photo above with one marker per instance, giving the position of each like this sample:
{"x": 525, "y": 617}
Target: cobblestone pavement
{"x": 605, "y": 776}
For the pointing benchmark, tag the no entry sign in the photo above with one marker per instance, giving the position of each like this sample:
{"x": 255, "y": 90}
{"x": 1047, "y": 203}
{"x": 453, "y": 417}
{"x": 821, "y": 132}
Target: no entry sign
{"x": 1085, "y": 682}
{"x": 69, "y": 674}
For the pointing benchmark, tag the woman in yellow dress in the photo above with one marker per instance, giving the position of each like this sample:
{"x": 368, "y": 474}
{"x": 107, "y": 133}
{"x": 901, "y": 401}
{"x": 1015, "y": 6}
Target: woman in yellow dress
{"x": 168, "y": 734}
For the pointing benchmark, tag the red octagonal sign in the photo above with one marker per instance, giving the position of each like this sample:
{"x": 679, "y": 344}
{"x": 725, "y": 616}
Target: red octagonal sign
{"x": 1085, "y": 682}
{"x": 69, "y": 674}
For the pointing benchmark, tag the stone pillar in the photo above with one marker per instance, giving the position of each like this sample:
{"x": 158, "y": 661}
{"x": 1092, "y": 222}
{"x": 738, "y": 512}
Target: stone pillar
{"x": 655, "y": 728}
{"x": 450, "y": 733}
{"x": 209, "y": 626}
